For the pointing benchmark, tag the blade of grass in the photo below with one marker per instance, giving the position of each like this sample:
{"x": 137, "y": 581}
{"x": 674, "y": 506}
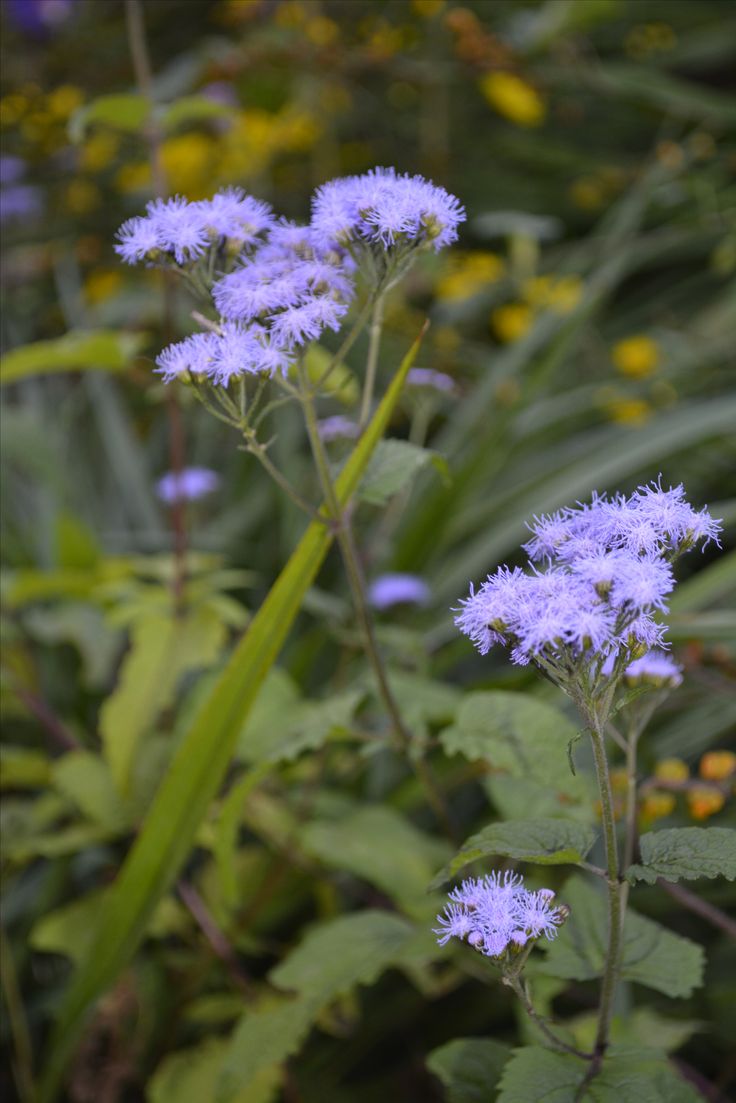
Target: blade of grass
{"x": 200, "y": 764}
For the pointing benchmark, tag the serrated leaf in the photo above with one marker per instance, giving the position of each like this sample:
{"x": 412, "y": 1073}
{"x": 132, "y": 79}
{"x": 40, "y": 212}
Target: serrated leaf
{"x": 652, "y": 955}
{"x": 394, "y": 465}
{"x": 627, "y": 1076}
{"x": 543, "y": 842}
{"x": 121, "y": 111}
{"x": 516, "y": 733}
{"x": 512, "y": 798}
{"x": 306, "y": 725}
{"x": 379, "y": 845}
{"x": 200, "y": 763}
{"x": 686, "y": 853}
{"x": 78, "y": 350}
{"x": 469, "y": 1068}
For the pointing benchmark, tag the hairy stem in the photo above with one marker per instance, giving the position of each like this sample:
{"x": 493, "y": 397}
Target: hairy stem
{"x": 557, "y": 1043}
{"x": 374, "y": 344}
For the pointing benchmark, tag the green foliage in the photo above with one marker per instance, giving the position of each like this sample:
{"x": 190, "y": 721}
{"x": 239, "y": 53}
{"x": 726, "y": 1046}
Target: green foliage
{"x": 77, "y": 350}
{"x": 469, "y": 1068}
{"x": 686, "y": 853}
{"x": 543, "y": 842}
{"x": 394, "y": 465}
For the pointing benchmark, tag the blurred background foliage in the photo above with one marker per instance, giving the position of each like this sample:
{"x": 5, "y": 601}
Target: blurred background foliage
{"x": 587, "y": 318}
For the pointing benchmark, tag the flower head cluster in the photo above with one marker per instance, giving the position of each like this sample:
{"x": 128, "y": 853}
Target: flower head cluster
{"x": 655, "y": 668}
{"x": 598, "y": 573}
{"x": 496, "y": 911}
{"x": 187, "y": 485}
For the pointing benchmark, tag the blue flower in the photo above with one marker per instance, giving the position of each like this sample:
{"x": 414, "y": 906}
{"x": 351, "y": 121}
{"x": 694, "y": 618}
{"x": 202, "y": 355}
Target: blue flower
{"x": 187, "y": 485}
{"x": 398, "y": 589}
{"x": 496, "y": 912}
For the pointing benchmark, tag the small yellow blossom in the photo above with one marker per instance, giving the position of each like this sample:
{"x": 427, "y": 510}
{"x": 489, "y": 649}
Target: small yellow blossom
{"x": 81, "y": 197}
{"x": 671, "y": 769}
{"x": 656, "y": 805}
{"x": 717, "y": 765}
{"x": 102, "y": 284}
{"x": 512, "y": 321}
{"x": 705, "y": 802}
{"x": 65, "y": 99}
{"x": 99, "y": 151}
{"x": 636, "y": 356}
{"x": 513, "y": 98}
{"x": 322, "y": 31}
{"x": 559, "y": 293}
{"x": 468, "y": 273}
{"x": 630, "y": 411}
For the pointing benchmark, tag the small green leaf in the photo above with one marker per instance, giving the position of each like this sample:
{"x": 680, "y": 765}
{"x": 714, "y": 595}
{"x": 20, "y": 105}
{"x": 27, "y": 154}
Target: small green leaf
{"x": 78, "y": 350}
{"x": 192, "y": 109}
{"x": 125, "y": 111}
{"x": 652, "y": 955}
{"x": 628, "y": 1075}
{"x": 340, "y": 384}
{"x": 686, "y": 853}
{"x": 22, "y": 768}
{"x": 86, "y": 780}
{"x": 304, "y": 727}
{"x": 469, "y": 1068}
{"x": 394, "y": 465}
{"x": 544, "y": 842}
{"x": 69, "y": 930}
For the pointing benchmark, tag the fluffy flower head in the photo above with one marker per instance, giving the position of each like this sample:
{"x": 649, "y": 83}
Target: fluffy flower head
{"x": 494, "y": 912}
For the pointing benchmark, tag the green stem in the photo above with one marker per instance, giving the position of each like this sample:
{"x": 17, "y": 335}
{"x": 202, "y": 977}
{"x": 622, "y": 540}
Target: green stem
{"x": 256, "y": 449}
{"x": 18, "y": 1026}
{"x": 344, "y": 348}
{"x": 557, "y": 1043}
{"x": 351, "y": 561}
{"x": 374, "y": 344}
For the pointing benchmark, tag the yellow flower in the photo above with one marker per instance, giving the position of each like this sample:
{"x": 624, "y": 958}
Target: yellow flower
{"x": 322, "y": 31}
{"x": 717, "y": 765}
{"x": 512, "y": 321}
{"x": 102, "y": 284}
{"x": 427, "y": 9}
{"x": 189, "y": 162}
{"x": 705, "y": 802}
{"x": 671, "y": 769}
{"x": 558, "y": 293}
{"x": 513, "y": 98}
{"x": 636, "y": 356}
{"x": 64, "y": 100}
{"x": 81, "y": 197}
{"x": 12, "y": 109}
{"x": 656, "y": 805}
{"x": 468, "y": 273}
{"x": 99, "y": 151}
{"x": 629, "y": 411}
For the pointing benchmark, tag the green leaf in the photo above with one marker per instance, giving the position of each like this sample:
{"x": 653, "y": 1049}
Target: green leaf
{"x": 304, "y": 727}
{"x": 379, "y": 845}
{"x": 126, "y": 111}
{"x": 192, "y": 109}
{"x": 661, "y": 1032}
{"x": 469, "y": 1068}
{"x": 512, "y": 798}
{"x": 628, "y": 1075}
{"x": 394, "y": 465}
{"x": 22, "y": 768}
{"x": 544, "y": 842}
{"x": 332, "y": 958}
{"x": 686, "y": 853}
{"x": 515, "y": 732}
{"x": 200, "y": 764}
{"x": 69, "y": 930}
{"x": 191, "y": 1075}
{"x": 340, "y": 384}
{"x": 86, "y": 780}
{"x": 86, "y": 628}
{"x": 78, "y": 350}
{"x": 652, "y": 955}
{"x": 162, "y": 649}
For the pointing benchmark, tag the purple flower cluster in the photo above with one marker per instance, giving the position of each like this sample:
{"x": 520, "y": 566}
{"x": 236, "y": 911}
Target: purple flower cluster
{"x": 398, "y": 589}
{"x": 182, "y": 231}
{"x": 338, "y": 427}
{"x": 656, "y": 668}
{"x": 434, "y": 380}
{"x": 597, "y": 575}
{"x": 187, "y": 485}
{"x": 388, "y": 209}
{"x": 18, "y": 201}
{"x": 496, "y": 911}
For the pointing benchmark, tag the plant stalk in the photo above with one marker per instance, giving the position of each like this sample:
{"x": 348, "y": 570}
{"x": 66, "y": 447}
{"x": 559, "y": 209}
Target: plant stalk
{"x": 374, "y": 344}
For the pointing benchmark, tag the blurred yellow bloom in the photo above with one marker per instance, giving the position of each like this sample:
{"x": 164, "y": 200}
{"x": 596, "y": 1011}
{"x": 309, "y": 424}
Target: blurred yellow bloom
{"x": 559, "y": 293}
{"x": 629, "y": 411}
{"x": 99, "y": 151}
{"x": 656, "y": 805}
{"x": 512, "y": 321}
{"x": 427, "y": 9}
{"x": 322, "y": 31}
{"x": 64, "y": 100}
{"x": 468, "y": 273}
{"x": 102, "y": 284}
{"x": 717, "y": 765}
{"x": 291, "y": 14}
{"x": 704, "y": 802}
{"x": 81, "y": 197}
{"x": 671, "y": 769}
{"x": 513, "y": 98}
{"x": 444, "y": 338}
{"x": 12, "y": 109}
{"x": 189, "y": 162}
{"x": 134, "y": 177}
{"x": 636, "y": 356}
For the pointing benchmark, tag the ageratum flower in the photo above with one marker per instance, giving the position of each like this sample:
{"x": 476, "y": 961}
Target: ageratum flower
{"x": 398, "y": 589}
{"x": 434, "y": 380}
{"x": 337, "y": 427}
{"x": 655, "y": 668}
{"x": 187, "y": 485}
{"x": 604, "y": 569}
{"x": 496, "y": 912}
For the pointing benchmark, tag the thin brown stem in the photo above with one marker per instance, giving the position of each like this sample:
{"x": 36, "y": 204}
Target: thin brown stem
{"x": 700, "y": 907}
{"x": 48, "y": 719}
{"x": 217, "y": 939}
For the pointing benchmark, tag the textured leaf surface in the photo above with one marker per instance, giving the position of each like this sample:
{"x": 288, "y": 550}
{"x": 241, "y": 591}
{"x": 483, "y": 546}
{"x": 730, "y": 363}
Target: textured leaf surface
{"x": 686, "y": 853}
{"x": 653, "y": 956}
{"x": 394, "y": 465}
{"x": 200, "y": 763}
{"x": 628, "y": 1076}
{"x": 301, "y": 726}
{"x": 469, "y": 1068}
{"x": 545, "y": 842}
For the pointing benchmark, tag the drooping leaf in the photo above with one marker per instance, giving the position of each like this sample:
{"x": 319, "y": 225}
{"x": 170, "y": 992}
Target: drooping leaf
{"x": 200, "y": 764}
{"x": 78, "y": 350}
{"x": 543, "y": 842}
{"x": 469, "y": 1068}
{"x": 652, "y": 955}
{"x": 394, "y": 465}
{"x": 121, "y": 111}
{"x": 686, "y": 853}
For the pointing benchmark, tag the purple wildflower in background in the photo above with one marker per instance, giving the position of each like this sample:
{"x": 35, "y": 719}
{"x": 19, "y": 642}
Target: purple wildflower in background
{"x": 337, "y": 427}
{"x": 187, "y": 485}
{"x": 655, "y": 667}
{"x": 398, "y": 589}
{"x": 435, "y": 380}
{"x": 494, "y": 912}
{"x": 606, "y": 570}
{"x": 386, "y": 208}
